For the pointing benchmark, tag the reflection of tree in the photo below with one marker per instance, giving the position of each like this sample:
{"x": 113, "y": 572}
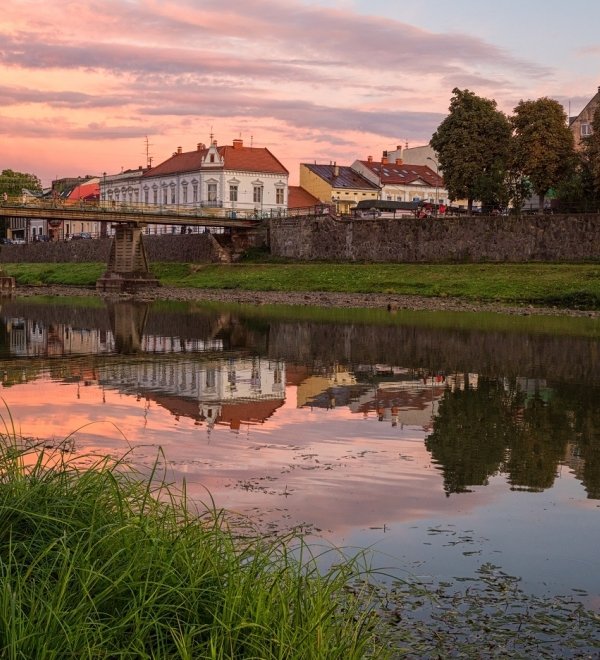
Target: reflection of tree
{"x": 538, "y": 446}
{"x": 471, "y": 432}
{"x": 479, "y": 432}
{"x": 583, "y": 408}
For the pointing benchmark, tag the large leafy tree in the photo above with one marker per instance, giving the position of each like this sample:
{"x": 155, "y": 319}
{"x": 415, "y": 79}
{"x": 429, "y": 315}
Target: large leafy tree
{"x": 12, "y": 183}
{"x": 543, "y": 146}
{"x": 473, "y": 148}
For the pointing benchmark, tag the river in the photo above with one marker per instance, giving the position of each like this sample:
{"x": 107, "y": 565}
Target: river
{"x": 439, "y": 441}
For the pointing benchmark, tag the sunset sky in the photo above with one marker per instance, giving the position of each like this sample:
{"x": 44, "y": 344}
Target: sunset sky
{"x": 83, "y": 84}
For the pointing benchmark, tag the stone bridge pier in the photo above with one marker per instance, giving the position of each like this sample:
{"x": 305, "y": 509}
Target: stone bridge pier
{"x": 127, "y": 268}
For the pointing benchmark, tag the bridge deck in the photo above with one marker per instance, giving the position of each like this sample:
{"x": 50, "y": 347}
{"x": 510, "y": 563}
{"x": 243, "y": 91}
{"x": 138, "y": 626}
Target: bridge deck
{"x": 149, "y": 215}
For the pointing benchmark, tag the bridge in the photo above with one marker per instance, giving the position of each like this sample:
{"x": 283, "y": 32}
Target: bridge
{"x": 127, "y": 268}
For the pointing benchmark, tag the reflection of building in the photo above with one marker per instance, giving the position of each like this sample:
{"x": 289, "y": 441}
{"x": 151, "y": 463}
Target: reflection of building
{"x": 231, "y": 392}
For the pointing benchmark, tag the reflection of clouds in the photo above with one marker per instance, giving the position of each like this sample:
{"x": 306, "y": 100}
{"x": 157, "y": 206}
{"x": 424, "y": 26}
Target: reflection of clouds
{"x": 330, "y": 468}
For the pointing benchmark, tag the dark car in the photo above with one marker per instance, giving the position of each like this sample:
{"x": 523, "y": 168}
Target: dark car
{"x": 80, "y": 236}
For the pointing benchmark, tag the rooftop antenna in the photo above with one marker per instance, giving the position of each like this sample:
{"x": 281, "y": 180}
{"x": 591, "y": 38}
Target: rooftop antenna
{"x": 212, "y": 135}
{"x": 148, "y": 156}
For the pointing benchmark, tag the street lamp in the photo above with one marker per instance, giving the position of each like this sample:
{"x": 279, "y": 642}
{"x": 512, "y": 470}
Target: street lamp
{"x": 437, "y": 176}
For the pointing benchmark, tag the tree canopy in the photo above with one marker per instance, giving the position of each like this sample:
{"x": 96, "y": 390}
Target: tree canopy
{"x": 473, "y": 148}
{"x": 12, "y": 183}
{"x": 543, "y": 146}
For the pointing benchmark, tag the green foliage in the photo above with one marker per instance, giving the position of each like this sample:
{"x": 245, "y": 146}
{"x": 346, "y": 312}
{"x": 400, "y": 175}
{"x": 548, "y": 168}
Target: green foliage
{"x": 543, "y": 147}
{"x": 473, "y": 147}
{"x": 97, "y": 563}
{"x": 12, "y": 183}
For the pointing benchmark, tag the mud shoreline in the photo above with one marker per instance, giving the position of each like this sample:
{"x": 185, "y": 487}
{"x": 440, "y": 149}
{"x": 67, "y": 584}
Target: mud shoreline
{"x": 314, "y": 299}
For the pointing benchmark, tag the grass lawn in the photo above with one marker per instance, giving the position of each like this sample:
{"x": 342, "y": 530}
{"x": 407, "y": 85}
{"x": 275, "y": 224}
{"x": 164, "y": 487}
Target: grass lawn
{"x": 564, "y": 285}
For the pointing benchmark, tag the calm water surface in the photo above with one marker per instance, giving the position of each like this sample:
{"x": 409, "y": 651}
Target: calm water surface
{"x": 439, "y": 441}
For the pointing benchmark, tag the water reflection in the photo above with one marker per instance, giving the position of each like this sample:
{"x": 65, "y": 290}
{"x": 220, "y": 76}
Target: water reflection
{"x": 355, "y": 428}
{"x": 223, "y": 369}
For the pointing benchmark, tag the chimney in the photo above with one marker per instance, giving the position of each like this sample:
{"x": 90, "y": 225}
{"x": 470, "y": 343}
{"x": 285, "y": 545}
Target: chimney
{"x": 398, "y": 147}
{"x": 370, "y": 159}
{"x": 200, "y": 146}
{"x": 238, "y": 143}
{"x": 336, "y": 169}
{"x": 384, "y": 158}
{"x": 399, "y": 161}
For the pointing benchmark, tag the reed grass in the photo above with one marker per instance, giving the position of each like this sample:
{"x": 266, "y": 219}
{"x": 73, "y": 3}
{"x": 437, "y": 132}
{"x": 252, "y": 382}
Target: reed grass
{"x": 98, "y": 562}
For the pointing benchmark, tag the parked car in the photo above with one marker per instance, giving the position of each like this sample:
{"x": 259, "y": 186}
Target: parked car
{"x": 5, "y": 241}
{"x": 82, "y": 235}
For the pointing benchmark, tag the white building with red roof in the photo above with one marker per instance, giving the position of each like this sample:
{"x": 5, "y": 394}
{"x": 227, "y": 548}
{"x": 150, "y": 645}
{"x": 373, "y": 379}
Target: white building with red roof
{"x": 224, "y": 180}
{"x": 402, "y": 182}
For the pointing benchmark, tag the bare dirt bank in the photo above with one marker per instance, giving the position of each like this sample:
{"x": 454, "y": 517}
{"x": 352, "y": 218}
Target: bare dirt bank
{"x": 315, "y": 299}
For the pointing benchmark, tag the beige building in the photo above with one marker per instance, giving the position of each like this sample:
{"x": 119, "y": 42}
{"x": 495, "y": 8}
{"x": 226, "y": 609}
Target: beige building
{"x": 581, "y": 126}
{"x": 337, "y": 184}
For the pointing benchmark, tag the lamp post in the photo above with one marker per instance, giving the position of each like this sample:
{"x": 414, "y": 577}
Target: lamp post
{"x": 437, "y": 176}
{"x": 103, "y": 228}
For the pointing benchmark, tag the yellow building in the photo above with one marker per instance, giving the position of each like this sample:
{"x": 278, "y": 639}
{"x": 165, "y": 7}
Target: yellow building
{"x": 338, "y": 185}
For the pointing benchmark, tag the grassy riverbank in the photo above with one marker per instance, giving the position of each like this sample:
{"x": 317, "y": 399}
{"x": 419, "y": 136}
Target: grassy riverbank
{"x": 95, "y": 563}
{"x": 563, "y": 285}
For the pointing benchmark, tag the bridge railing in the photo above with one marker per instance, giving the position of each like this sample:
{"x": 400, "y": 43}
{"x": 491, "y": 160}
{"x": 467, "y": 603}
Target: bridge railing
{"x": 203, "y": 209}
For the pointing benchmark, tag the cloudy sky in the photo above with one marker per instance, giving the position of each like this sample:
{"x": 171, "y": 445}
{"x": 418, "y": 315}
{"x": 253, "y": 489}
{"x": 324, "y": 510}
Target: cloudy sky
{"x": 85, "y": 85}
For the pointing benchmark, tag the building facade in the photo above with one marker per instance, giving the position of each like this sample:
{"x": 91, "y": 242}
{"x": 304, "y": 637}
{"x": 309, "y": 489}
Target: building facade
{"x": 231, "y": 180}
{"x": 581, "y": 126}
{"x": 338, "y": 185}
{"x": 401, "y": 182}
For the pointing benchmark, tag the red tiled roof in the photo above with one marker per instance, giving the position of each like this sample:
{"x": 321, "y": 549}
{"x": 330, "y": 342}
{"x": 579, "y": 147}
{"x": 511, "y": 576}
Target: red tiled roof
{"x": 391, "y": 173}
{"x": 240, "y": 158}
{"x": 299, "y": 198}
{"x": 85, "y": 190}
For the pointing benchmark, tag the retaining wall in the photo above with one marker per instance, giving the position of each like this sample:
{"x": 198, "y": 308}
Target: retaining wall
{"x": 450, "y": 239}
{"x": 190, "y": 248}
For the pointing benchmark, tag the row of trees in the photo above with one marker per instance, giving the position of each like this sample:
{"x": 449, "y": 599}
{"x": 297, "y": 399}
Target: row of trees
{"x": 499, "y": 160}
{"x": 12, "y": 183}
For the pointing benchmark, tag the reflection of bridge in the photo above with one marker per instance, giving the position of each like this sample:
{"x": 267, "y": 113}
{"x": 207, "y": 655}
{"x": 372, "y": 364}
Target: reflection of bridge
{"x": 128, "y": 264}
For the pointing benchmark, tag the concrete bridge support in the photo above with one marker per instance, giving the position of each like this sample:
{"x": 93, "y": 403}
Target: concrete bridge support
{"x": 127, "y": 263}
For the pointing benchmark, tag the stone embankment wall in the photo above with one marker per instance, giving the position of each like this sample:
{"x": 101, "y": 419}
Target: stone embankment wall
{"x": 190, "y": 248}
{"x": 450, "y": 239}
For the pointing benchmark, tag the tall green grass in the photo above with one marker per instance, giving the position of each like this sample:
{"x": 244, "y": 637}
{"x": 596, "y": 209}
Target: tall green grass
{"x": 96, "y": 562}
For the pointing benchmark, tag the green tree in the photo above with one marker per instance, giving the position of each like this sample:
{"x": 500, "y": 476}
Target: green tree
{"x": 473, "y": 149}
{"x": 12, "y": 183}
{"x": 543, "y": 146}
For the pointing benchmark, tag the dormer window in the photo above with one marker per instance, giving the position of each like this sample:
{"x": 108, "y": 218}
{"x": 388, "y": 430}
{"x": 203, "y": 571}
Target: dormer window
{"x": 212, "y": 158}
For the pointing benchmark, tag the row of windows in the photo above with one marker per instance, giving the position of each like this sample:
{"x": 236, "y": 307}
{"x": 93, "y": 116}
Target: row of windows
{"x": 169, "y": 194}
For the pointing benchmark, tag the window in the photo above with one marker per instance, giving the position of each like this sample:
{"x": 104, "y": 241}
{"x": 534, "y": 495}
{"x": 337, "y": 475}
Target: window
{"x": 257, "y": 194}
{"x": 172, "y": 194}
{"x": 185, "y": 194}
{"x": 212, "y": 158}
{"x": 146, "y": 196}
{"x": 586, "y": 130}
{"x": 195, "y": 193}
{"x": 233, "y": 193}
{"x": 279, "y": 196}
{"x": 155, "y": 196}
{"x": 165, "y": 197}
{"x": 211, "y": 189}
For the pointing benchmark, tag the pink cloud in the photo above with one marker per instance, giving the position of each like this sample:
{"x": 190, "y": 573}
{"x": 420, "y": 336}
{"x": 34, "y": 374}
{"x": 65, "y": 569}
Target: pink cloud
{"x": 306, "y": 81}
